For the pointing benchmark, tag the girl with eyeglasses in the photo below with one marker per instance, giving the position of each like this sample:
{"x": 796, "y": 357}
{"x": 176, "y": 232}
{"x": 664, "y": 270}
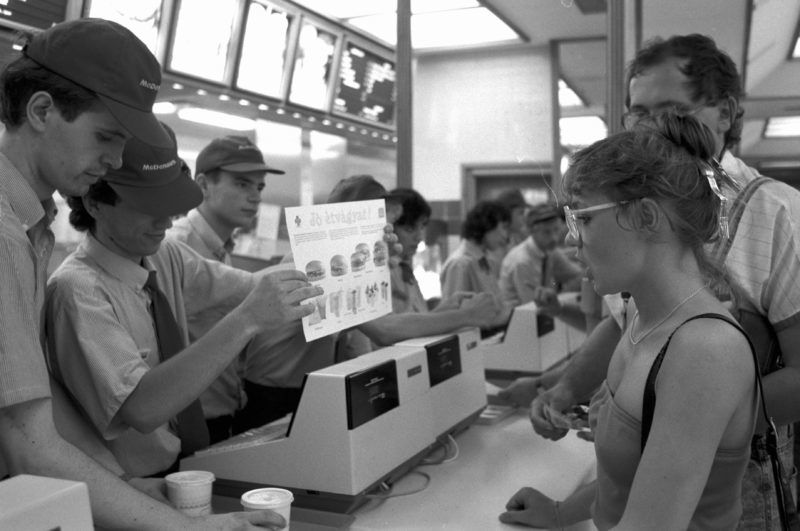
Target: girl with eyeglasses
{"x": 672, "y": 422}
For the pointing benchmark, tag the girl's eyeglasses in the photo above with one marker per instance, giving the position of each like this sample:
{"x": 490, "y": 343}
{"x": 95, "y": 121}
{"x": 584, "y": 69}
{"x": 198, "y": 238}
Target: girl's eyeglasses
{"x": 572, "y": 216}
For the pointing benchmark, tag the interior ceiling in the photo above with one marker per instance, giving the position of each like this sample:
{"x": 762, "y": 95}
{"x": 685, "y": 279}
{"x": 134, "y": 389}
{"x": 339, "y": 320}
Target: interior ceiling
{"x": 772, "y": 81}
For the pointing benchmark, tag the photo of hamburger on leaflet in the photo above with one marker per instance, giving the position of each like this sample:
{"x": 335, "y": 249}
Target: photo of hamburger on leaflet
{"x": 315, "y": 271}
{"x": 338, "y": 266}
{"x": 357, "y": 261}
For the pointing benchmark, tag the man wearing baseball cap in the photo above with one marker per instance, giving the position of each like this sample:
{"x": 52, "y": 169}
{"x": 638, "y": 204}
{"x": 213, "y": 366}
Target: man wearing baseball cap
{"x": 230, "y": 173}
{"x": 69, "y": 104}
{"x": 104, "y": 312}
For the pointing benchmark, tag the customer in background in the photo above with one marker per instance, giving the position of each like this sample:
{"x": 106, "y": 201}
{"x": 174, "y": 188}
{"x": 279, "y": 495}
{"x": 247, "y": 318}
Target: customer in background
{"x": 517, "y": 208}
{"x": 539, "y": 264}
{"x": 642, "y": 205}
{"x": 467, "y": 268}
{"x": 230, "y": 172}
{"x": 117, "y": 311}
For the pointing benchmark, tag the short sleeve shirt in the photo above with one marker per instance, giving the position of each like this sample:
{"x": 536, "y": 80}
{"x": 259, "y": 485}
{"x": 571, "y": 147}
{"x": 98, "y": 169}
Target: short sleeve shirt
{"x": 101, "y": 337}
{"x": 26, "y": 244}
{"x": 463, "y": 271}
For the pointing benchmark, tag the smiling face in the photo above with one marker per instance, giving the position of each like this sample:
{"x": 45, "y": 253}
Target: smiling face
{"x": 128, "y": 232}
{"x": 74, "y": 155}
{"x": 232, "y": 199}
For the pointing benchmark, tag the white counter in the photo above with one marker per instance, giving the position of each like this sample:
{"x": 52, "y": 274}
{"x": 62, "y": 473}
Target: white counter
{"x": 469, "y": 493}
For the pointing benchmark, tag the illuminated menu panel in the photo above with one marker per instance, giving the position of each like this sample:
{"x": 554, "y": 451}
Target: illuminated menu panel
{"x": 202, "y": 38}
{"x": 142, "y": 17}
{"x": 312, "y": 67}
{"x": 366, "y": 87}
{"x": 39, "y": 14}
{"x": 266, "y": 41}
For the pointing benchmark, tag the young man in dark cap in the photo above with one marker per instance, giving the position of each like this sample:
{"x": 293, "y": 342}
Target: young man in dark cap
{"x": 69, "y": 106}
{"x": 105, "y": 298}
{"x": 230, "y": 171}
{"x": 538, "y": 263}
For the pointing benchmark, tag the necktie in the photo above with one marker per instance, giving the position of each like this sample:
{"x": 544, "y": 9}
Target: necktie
{"x": 192, "y": 429}
{"x": 408, "y": 273}
{"x": 544, "y": 271}
{"x": 483, "y": 262}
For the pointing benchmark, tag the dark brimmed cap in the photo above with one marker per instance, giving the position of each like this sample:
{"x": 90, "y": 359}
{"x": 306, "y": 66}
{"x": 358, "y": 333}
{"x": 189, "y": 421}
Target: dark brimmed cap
{"x": 154, "y": 180}
{"x": 232, "y": 153}
{"x": 357, "y": 188}
{"x": 542, "y": 212}
{"x": 110, "y": 61}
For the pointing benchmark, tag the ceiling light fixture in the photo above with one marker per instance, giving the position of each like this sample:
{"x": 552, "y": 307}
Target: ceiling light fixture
{"x": 216, "y": 119}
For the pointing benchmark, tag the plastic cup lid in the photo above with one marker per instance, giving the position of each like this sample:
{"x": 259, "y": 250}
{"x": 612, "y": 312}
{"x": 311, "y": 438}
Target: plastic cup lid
{"x": 190, "y": 477}
{"x": 267, "y": 498}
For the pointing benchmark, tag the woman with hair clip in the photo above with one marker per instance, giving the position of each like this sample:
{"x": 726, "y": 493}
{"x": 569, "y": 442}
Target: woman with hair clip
{"x": 673, "y": 420}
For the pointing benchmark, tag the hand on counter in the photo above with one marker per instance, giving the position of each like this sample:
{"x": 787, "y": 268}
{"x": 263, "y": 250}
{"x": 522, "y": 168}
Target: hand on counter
{"x": 531, "y": 508}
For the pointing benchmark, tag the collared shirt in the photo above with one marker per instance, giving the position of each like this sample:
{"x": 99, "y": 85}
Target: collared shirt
{"x": 521, "y": 272}
{"x": 406, "y": 296}
{"x": 101, "y": 338}
{"x": 226, "y": 394}
{"x": 194, "y": 231}
{"x": 763, "y": 263}
{"x": 26, "y": 243}
{"x": 467, "y": 269}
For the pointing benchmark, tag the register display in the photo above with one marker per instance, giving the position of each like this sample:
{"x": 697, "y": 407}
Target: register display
{"x": 371, "y": 393}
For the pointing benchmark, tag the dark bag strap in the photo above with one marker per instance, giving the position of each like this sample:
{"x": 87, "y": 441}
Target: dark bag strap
{"x": 786, "y": 507}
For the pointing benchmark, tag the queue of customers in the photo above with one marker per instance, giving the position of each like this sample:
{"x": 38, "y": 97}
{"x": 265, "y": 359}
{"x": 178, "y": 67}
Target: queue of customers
{"x": 157, "y": 347}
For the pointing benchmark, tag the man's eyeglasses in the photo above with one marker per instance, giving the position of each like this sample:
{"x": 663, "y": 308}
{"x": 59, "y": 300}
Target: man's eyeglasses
{"x": 572, "y": 216}
{"x": 633, "y": 116}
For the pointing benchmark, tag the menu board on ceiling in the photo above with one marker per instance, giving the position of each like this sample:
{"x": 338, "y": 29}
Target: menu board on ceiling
{"x": 142, "y": 17}
{"x": 366, "y": 87}
{"x": 39, "y": 14}
{"x": 313, "y": 63}
{"x": 266, "y": 40}
{"x": 202, "y": 38}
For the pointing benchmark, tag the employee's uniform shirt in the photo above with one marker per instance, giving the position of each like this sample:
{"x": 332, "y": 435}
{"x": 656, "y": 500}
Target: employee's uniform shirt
{"x": 521, "y": 272}
{"x": 467, "y": 269}
{"x": 102, "y": 341}
{"x": 406, "y": 295}
{"x": 225, "y": 396}
{"x": 26, "y": 244}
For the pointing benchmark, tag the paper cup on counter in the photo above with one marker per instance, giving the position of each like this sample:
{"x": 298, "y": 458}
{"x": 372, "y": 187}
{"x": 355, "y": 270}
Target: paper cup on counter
{"x": 274, "y": 499}
{"x": 190, "y": 491}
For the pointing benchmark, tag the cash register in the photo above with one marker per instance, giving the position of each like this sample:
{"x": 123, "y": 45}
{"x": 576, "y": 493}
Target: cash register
{"x": 358, "y": 424}
{"x": 530, "y": 343}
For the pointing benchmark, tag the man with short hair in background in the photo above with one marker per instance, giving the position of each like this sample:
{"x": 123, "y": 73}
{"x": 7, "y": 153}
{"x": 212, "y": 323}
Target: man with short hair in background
{"x": 230, "y": 171}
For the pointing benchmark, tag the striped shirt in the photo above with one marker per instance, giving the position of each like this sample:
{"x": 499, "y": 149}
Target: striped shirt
{"x": 26, "y": 243}
{"x": 101, "y": 338}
